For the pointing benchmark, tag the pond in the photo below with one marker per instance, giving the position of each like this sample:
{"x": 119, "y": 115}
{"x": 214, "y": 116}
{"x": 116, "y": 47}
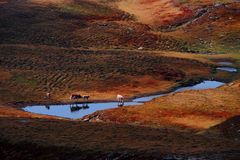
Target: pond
{"x": 79, "y": 110}
{"x": 226, "y": 66}
{"x": 225, "y": 63}
{"x": 227, "y": 69}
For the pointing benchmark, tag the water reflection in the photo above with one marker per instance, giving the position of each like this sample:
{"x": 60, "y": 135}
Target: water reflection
{"x": 79, "y": 110}
{"x": 77, "y": 107}
{"x": 47, "y": 106}
{"x": 74, "y": 111}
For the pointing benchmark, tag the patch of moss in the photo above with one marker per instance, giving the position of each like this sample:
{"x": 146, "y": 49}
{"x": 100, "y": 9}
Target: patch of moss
{"x": 24, "y": 80}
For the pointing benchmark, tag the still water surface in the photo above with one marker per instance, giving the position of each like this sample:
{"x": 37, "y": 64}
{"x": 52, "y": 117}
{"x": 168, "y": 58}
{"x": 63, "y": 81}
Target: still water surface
{"x": 80, "y": 110}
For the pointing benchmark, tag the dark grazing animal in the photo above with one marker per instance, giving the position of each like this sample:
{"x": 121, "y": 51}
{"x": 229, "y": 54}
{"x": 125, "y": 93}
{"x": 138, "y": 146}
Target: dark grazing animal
{"x": 75, "y": 96}
{"x": 78, "y": 96}
{"x": 85, "y": 97}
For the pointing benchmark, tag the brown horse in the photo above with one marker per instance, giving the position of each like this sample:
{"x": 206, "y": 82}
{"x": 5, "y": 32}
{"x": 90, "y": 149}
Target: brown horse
{"x": 78, "y": 96}
{"x": 85, "y": 97}
{"x": 75, "y": 97}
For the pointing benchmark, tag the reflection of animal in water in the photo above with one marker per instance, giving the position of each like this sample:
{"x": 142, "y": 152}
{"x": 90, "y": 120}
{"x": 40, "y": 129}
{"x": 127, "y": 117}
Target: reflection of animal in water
{"x": 85, "y": 106}
{"x": 120, "y": 100}
{"x": 47, "y": 106}
{"x": 78, "y": 96}
{"x": 75, "y": 107}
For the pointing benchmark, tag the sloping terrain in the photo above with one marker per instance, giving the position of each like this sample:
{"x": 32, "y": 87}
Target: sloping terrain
{"x": 106, "y": 47}
{"x": 88, "y": 26}
{"x": 32, "y": 72}
{"x": 203, "y": 26}
{"x": 167, "y": 13}
{"x": 217, "y": 30}
{"x": 192, "y": 109}
{"x": 157, "y": 13}
{"x": 77, "y": 24}
{"x": 59, "y": 140}
{"x": 229, "y": 128}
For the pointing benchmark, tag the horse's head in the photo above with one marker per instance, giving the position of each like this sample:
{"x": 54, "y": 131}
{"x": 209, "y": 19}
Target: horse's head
{"x": 85, "y": 96}
{"x": 119, "y": 96}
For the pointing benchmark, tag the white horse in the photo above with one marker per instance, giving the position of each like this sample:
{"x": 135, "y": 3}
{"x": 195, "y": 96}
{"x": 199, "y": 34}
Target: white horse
{"x": 48, "y": 95}
{"x": 120, "y": 99}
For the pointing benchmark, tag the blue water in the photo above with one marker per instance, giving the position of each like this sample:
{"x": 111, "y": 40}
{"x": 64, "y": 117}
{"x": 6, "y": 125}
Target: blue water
{"x": 65, "y": 110}
{"x": 199, "y": 86}
{"x": 227, "y": 69}
{"x": 80, "y": 110}
{"x": 225, "y": 63}
{"x": 226, "y": 66}
{"x": 148, "y": 98}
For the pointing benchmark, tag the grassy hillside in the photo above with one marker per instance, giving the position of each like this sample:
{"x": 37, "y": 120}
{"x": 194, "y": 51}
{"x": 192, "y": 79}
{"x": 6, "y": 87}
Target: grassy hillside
{"x": 190, "y": 109}
{"x": 78, "y": 24}
{"x": 193, "y": 26}
{"x": 216, "y": 31}
{"x": 33, "y": 71}
{"x": 129, "y": 47}
{"x": 51, "y": 139}
{"x": 41, "y": 29}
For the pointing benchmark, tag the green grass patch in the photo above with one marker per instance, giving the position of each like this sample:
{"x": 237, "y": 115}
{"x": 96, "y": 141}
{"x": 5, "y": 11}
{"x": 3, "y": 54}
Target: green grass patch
{"x": 22, "y": 79}
{"x": 216, "y": 47}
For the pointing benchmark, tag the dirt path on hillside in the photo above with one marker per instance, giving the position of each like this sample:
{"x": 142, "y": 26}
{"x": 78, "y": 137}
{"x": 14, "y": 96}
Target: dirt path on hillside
{"x": 156, "y": 12}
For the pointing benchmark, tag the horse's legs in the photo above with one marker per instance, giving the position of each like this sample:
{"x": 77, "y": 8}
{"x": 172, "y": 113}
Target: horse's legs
{"x": 85, "y": 99}
{"x": 120, "y": 102}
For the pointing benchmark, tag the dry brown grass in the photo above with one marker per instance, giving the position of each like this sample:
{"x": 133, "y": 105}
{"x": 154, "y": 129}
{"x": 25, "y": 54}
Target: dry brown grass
{"x": 154, "y": 12}
{"x": 63, "y": 71}
{"x": 44, "y": 2}
{"x": 23, "y": 138}
{"x": 8, "y": 112}
{"x": 215, "y": 31}
{"x": 193, "y": 109}
{"x": 93, "y": 51}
